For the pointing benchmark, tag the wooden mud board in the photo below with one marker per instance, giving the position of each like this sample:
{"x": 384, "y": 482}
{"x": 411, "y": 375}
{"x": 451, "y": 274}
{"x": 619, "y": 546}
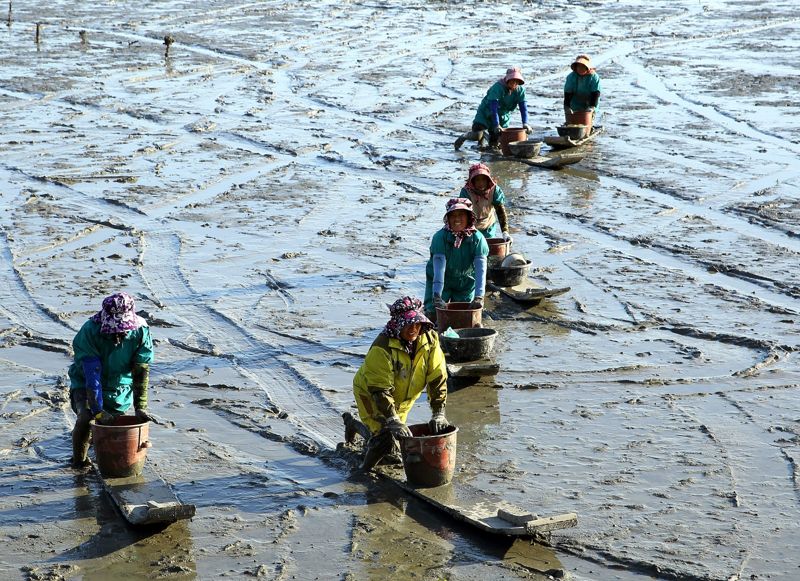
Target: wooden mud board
{"x": 477, "y": 368}
{"x": 528, "y": 292}
{"x": 560, "y": 142}
{"x": 487, "y": 512}
{"x": 550, "y": 161}
{"x": 145, "y": 499}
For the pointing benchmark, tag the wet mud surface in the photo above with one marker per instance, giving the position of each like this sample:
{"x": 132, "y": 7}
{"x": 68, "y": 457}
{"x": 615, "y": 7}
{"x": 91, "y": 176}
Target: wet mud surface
{"x": 269, "y": 186}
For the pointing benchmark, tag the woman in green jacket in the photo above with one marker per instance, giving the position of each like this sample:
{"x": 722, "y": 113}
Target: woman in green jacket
{"x": 403, "y": 360}
{"x": 111, "y": 369}
{"x": 456, "y": 270}
{"x": 494, "y": 111}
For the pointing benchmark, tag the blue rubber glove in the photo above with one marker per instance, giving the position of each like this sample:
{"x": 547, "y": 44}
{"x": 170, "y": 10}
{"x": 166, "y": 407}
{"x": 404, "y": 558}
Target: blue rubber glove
{"x": 92, "y": 372}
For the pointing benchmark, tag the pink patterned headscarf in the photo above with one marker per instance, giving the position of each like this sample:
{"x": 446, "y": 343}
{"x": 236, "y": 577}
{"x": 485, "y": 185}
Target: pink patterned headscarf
{"x": 118, "y": 314}
{"x": 406, "y": 311}
{"x": 480, "y": 169}
{"x": 454, "y": 204}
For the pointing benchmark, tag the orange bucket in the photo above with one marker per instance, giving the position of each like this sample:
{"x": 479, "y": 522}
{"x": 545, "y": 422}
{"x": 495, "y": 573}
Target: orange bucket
{"x": 121, "y": 448}
{"x": 458, "y": 316}
{"x": 510, "y": 134}
{"x": 429, "y": 460}
{"x": 581, "y": 118}
{"x": 497, "y": 247}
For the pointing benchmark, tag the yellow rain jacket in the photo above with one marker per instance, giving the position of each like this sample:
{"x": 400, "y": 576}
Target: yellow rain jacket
{"x": 388, "y": 382}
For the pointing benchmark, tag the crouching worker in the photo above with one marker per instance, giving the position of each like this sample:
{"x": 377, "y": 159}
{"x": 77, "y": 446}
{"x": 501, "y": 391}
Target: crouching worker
{"x": 456, "y": 270}
{"x": 110, "y": 371}
{"x": 403, "y": 360}
{"x": 494, "y": 111}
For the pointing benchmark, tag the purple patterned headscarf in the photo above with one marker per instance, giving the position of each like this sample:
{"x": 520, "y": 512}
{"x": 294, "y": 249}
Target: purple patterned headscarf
{"x": 406, "y": 311}
{"x": 118, "y": 314}
{"x": 454, "y": 204}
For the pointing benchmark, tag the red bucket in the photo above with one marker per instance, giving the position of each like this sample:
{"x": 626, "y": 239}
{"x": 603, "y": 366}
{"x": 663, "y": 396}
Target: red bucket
{"x": 459, "y": 316}
{"x": 121, "y": 448}
{"x": 581, "y": 118}
{"x": 510, "y": 134}
{"x": 429, "y": 460}
{"x": 498, "y": 247}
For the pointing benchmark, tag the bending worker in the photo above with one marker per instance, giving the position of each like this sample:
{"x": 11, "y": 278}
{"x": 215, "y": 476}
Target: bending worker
{"x": 403, "y": 360}
{"x": 456, "y": 270}
{"x": 111, "y": 369}
{"x": 488, "y": 202}
{"x": 494, "y": 112}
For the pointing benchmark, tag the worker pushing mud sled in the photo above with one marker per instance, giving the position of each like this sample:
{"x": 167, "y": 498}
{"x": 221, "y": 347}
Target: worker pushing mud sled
{"x": 109, "y": 377}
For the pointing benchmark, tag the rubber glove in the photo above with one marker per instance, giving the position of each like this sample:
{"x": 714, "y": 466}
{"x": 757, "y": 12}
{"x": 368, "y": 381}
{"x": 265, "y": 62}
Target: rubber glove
{"x": 438, "y": 423}
{"x": 397, "y": 428}
{"x": 438, "y": 302}
{"x": 104, "y": 418}
{"x": 477, "y": 303}
{"x": 528, "y": 128}
{"x": 507, "y": 237}
{"x": 143, "y": 416}
{"x": 568, "y": 111}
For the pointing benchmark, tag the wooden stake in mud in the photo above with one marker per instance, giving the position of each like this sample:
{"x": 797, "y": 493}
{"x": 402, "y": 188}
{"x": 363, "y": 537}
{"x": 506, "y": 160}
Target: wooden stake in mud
{"x": 84, "y": 37}
{"x": 168, "y": 40}
{"x": 38, "y": 31}
{"x": 8, "y": 22}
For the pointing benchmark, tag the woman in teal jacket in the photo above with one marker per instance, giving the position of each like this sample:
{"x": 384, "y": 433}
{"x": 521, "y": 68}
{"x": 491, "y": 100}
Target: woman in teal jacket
{"x": 456, "y": 270}
{"x": 494, "y": 112}
{"x": 582, "y": 88}
{"x": 111, "y": 369}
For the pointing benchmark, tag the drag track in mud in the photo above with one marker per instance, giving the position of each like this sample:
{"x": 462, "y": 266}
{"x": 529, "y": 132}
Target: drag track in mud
{"x": 269, "y": 186}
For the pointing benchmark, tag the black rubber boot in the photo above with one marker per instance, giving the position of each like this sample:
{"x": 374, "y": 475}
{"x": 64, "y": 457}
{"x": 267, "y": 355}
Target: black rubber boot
{"x": 80, "y": 440}
{"x": 353, "y": 427}
{"x": 377, "y": 447}
{"x": 468, "y": 136}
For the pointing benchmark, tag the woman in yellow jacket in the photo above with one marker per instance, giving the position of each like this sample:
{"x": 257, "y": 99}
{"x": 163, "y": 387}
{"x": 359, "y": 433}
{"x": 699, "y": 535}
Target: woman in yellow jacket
{"x": 402, "y": 361}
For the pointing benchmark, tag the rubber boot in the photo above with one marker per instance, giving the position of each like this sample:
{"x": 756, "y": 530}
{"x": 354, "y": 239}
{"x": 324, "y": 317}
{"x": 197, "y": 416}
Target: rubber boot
{"x": 468, "y": 136}
{"x": 353, "y": 427}
{"x": 377, "y": 447}
{"x": 80, "y": 440}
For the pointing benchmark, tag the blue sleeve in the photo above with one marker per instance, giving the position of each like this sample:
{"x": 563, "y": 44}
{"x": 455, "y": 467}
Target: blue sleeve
{"x": 92, "y": 371}
{"x": 523, "y": 111}
{"x": 439, "y": 265}
{"x": 494, "y": 109}
{"x": 480, "y": 274}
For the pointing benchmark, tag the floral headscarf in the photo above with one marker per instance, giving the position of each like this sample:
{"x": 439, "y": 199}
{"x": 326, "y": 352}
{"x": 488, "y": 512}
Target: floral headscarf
{"x": 118, "y": 314}
{"x": 480, "y": 169}
{"x": 406, "y": 311}
{"x": 454, "y": 204}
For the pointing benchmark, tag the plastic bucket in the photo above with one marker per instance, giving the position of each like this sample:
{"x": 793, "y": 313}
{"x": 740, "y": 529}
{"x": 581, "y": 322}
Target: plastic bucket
{"x": 429, "y": 460}
{"x": 120, "y": 448}
{"x": 498, "y": 247}
{"x": 471, "y": 344}
{"x": 508, "y": 275}
{"x": 510, "y": 134}
{"x": 581, "y": 118}
{"x": 458, "y": 316}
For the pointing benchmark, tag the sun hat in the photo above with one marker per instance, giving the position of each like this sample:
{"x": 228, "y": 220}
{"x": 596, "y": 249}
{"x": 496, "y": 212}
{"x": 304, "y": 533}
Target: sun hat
{"x": 514, "y": 73}
{"x": 118, "y": 314}
{"x": 404, "y": 312}
{"x": 582, "y": 59}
